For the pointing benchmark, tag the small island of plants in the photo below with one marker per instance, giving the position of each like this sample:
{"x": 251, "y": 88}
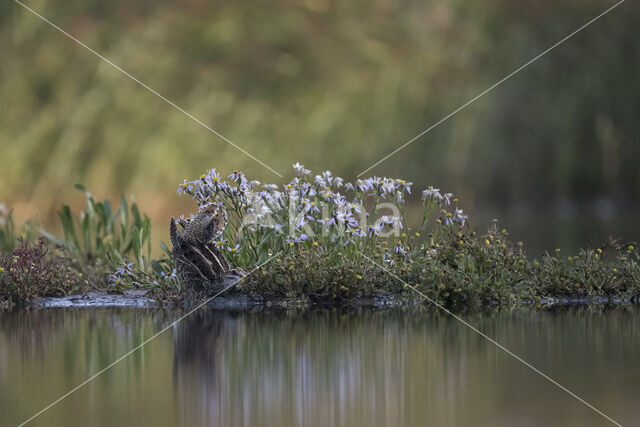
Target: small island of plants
{"x": 317, "y": 239}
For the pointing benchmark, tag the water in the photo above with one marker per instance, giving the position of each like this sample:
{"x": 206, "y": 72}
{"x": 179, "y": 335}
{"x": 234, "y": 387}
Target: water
{"x": 544, "y": 232}
{"x": 320, "y": 368}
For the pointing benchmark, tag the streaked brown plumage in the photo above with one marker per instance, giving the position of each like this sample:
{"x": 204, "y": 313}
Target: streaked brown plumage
{"x": 199, "y": 263}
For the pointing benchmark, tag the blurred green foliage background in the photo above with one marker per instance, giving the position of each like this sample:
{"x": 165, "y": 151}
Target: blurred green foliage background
{"x": 335, "y": 85}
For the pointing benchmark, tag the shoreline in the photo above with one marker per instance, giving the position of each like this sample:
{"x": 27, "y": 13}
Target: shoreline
{"x": 139, "y": 299}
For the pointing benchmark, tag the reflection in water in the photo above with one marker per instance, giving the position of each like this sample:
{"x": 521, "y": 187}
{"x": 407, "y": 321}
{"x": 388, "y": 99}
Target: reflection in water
{"x": 196, "y": 375}
{"x": 319, "y": 368}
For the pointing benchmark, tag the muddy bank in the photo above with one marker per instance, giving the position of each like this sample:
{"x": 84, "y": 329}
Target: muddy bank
{"x": 139, "y": 298}
{"x": 132, "y": 298}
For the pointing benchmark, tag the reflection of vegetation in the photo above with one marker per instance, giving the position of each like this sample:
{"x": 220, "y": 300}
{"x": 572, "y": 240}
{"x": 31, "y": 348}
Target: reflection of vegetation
{"x": 263, "y": 368}
{"x": 70, "y": 346}
{"x": 334, "y": 84}
{"x": 276, "y": 364}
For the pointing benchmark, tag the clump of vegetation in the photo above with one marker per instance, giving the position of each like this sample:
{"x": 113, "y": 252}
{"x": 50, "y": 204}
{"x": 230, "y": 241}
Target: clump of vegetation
{"x": 101, "y": 237}
{"x": 99, "y": 228}
{"x": 113, "y": 247}
{"x": 157, "y": 275}
{"x": 319, "y": 238}
{"x": 95, "y": 243}
{"x": 340, "y": 241}
{"x": 32, "y": 270}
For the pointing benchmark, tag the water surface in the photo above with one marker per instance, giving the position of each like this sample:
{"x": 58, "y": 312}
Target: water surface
{"x": 319, "y": 368}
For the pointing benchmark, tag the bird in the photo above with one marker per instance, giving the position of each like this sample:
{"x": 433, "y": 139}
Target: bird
{"x": 198, "y": 262}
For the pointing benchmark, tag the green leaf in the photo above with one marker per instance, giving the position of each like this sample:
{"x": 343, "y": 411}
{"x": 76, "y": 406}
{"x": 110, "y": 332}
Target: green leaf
{"x": 156, "y": 267}
{"x": 135, "y": 242}
{"x": 141, "y": 262}
{"x": 137, "y": 219}
{"x": 66, "y": 218}
{"x": 86, "y": 234}
{"x": 147, "y": 235}
{"x": 165, "y": 249}
{"x": 114, "y": 257}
